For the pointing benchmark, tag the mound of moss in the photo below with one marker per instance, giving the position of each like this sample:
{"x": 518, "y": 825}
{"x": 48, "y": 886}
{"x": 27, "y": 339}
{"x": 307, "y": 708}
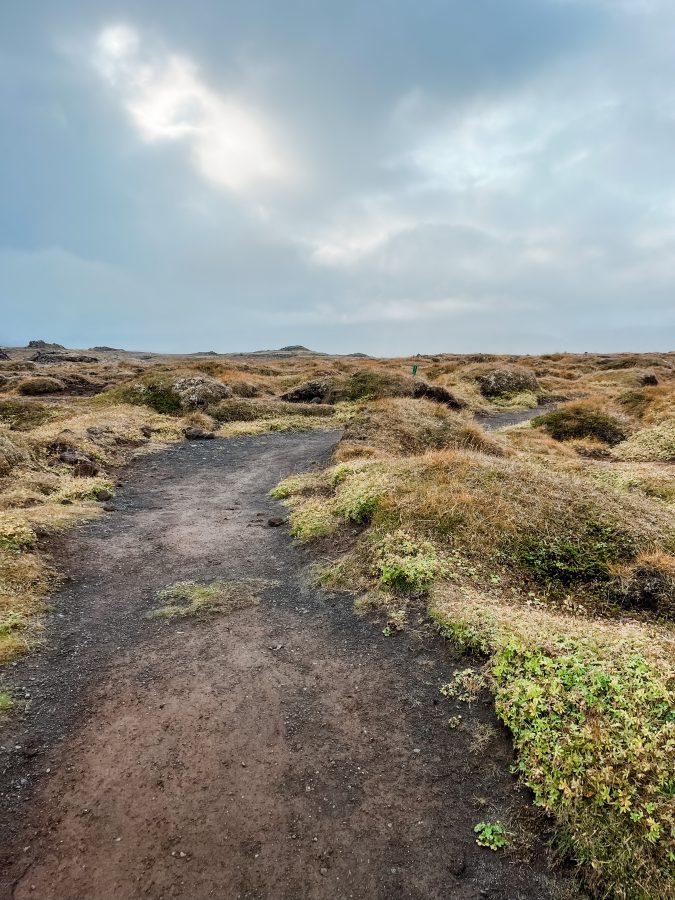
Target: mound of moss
{"x": 581, "y": 421}
{"x": 369, "y": 384}
{"x": 40, "y": 385}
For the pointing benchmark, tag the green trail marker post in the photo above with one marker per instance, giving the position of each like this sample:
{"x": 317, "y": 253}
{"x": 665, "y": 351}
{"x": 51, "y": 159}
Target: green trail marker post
{"x": 414, "y": 370}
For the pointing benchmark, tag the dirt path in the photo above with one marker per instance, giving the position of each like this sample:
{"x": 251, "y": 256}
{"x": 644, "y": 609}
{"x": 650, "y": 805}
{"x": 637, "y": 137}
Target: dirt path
{"x": 495, "y": 421}
{"x": 288, "y": 750}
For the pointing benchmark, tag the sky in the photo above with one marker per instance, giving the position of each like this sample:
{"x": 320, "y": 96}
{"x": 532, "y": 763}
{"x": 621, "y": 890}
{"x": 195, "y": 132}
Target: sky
{"x": 372, "y": 176}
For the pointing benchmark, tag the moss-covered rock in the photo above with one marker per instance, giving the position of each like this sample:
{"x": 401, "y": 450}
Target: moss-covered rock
{"x": 507, "y": 382}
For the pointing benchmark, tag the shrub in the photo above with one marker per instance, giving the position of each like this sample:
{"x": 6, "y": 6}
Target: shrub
{"x": 582, "y": 421}
{"x": 155, "y": 391}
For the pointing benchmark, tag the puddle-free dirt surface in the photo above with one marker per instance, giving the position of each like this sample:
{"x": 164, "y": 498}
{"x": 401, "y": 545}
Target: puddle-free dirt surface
{"x": 288, "y": 750}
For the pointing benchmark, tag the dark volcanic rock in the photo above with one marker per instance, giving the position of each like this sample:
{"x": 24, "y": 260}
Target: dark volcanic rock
{"x": 83, "y": 465}
{"x": 194, "y": 433}
{"x": 437, "y": 393}
{"x": 310, "y": 392}
{"x": 44, "y": 345}
{"x": 648, "y": 379}
{"x": 53, "y": 358}
{"x": 275, "y": 521}
{"x": 4, "y": 354}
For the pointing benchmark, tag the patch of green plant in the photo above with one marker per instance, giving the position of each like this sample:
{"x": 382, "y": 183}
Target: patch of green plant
{"x": 359, "y": 496}
{"x": 155, "y": 391}
{"x": 594, "y": 733}
{"x": 16, "y": 536}
{"x": 404, "y": 564}
{"x": 312, "y": 520}
{"x": 490, "y": 834}
{"x": 190, "y": 598}
{"x": 87, "y": 489}
{"x": 586, "y": 558}
{"x": 22, "y": 415}
{"x": 6, "y": 702}
{"x": 340, "y": 473}
{"x": 577, "y": 421}
{"x": 466, "y": 685}
{"x": 395, "y": 623}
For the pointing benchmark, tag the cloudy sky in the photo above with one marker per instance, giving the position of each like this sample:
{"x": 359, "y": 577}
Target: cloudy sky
{"x": 364, "y": 175}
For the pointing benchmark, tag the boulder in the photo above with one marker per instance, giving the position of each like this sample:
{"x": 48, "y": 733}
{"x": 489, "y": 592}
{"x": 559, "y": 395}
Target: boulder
{"x": 310, "y": 392}
{"x": 505, "y": 382}
{"x": 436, "y": 393}
{"x": 648, "y": 379}
{"x": 200, "y": 391}
{"x": 4, "y": 354}
{"x": 46, "y": 357}
{"x": 44, "y": 345}
{"x": 83, "y": 466}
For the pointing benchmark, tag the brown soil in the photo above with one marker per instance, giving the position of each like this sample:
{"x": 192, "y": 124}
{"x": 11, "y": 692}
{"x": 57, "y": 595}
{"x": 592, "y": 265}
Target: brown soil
{"x": 287, "y": 750}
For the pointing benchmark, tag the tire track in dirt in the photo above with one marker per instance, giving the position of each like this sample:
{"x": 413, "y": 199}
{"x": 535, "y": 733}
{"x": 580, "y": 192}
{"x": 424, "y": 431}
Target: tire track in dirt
{"x": 287, "y": 750}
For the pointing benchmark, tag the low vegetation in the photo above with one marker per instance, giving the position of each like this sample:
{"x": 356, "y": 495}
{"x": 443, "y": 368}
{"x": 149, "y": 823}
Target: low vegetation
{"x": 547, "y": 550}
{"x": 189, "y": 598}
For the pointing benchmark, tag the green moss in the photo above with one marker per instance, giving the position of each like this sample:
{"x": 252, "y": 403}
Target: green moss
{"x": 312, "y": 520}
{"x": 571, "y": 422}
{"x": 586, "y": 558}
{"x": 6, "y": 702}
{"x": 155, "y": 391}
{"x": 404, "y": 564}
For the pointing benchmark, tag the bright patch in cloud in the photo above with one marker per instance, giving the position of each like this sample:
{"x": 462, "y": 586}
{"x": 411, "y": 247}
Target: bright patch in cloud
{"x": 231, "y": 144}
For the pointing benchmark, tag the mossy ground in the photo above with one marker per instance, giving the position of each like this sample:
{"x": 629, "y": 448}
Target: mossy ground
{"x": 191, "y": 598}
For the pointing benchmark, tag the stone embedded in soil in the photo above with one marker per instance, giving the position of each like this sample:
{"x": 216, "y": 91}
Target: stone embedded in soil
{"x": 275, "y": 521}
{"x": 194, "y": 433}
{"x": 83, "y": 465}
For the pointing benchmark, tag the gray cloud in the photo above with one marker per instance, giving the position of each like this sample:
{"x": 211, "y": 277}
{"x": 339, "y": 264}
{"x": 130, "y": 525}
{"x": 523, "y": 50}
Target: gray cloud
{"x": 381, "y": 177}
